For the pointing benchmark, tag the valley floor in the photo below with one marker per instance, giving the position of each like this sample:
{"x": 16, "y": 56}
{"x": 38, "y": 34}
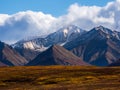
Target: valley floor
{"x": 59, "y": 78}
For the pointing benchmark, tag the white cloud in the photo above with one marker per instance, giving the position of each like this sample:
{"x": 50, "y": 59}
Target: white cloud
{"x": 83, "y": 16}
{"x": 24, "y": 24}
{"x": 3, "y": 17}
{"x": 29, "y": 23}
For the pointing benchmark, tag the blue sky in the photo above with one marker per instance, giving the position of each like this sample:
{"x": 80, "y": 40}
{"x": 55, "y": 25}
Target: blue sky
{"x": 54, "y": 7}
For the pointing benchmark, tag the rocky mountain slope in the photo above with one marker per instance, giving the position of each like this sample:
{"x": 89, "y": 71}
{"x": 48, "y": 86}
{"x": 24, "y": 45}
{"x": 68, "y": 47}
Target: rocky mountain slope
{"x": 99, "y": 46}
{"x": 57, "y": 55}
{"x": 31, "y": 47}
{"x": 10, "y": 57}
{"x": 117, "y": 63}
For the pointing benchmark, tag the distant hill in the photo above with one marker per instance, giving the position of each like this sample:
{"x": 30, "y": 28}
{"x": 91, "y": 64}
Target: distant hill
{"x": 10, "y": 57}
{"x": 57, "y": 55}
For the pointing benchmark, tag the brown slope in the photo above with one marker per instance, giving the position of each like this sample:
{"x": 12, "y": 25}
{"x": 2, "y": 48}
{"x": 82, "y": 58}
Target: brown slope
{"x": 57, "y": 55}
{"x": 99, "y": 46}
{"x": 9, "y": 57}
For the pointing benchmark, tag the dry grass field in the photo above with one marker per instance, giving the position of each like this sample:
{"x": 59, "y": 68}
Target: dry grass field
{"x": 59, "y": 78}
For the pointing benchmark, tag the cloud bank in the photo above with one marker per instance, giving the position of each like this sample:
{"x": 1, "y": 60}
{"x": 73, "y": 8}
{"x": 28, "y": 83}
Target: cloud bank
{"x": 29, "y": 23}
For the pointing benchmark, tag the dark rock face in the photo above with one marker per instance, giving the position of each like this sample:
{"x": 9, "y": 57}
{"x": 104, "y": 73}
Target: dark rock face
{"x": 117, "y": 63}
{"x": 99, "y": 46}
{"x": 57, "y": 55}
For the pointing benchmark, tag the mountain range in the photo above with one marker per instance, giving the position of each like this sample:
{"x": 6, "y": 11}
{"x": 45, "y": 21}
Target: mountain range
{"x": 69, "y": 45}
{"x": 36, "y": 45}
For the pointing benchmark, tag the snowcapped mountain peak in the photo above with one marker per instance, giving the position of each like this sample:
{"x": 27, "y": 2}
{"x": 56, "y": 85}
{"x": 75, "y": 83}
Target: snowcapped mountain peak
{"x": 71, "y": 29}
{"x": 104, "y": 33}
{"x": 72, "y": 32}
{"x": 99, "y": 28}
{"x": 59, "y": 37}
{"x": 103, "y": 30}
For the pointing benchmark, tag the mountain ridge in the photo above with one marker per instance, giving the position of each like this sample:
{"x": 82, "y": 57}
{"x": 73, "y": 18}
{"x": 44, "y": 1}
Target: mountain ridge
{"x": 57, "y": 55}
{"x": 97, "y": 47}
{"x": 100, "y": 46}
{"x": 10, "y": 57}
{"x": 38, "y": 45}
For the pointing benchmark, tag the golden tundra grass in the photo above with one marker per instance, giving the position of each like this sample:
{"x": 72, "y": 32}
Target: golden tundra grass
{"x": 59, "y": 78}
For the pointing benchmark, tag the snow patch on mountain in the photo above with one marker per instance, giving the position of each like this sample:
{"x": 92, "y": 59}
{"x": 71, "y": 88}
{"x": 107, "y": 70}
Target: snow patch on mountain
{"x": 61, "y": 37}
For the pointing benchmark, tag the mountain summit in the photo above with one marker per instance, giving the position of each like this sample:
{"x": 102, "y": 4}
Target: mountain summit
{"x": 61, "y": 36}
{"x": 40, "y": 44}
{"x": 99, "y": 46}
